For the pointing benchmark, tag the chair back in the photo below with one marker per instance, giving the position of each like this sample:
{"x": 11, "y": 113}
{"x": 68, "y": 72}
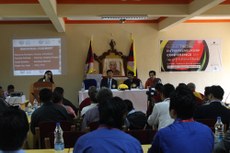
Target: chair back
{"x": 209, "y": 122}
{"x": 144, "y": 136}
{"x": 70, "y": 138}
{"x": 45, "y": 128}
{"x": 89, "y": 82}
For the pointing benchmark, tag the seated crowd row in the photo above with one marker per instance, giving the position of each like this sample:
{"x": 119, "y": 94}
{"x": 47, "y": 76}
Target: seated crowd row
{"x": 174, "y": 117}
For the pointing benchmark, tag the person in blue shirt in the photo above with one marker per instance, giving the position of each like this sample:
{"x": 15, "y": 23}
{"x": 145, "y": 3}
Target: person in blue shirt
{"x": 184, "y": 135}
{"x": 14, "y": 127}
{"x": 109, "y": 138}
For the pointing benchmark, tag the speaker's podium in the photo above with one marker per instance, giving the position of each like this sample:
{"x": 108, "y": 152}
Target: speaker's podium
{"x": 36, "y": 87}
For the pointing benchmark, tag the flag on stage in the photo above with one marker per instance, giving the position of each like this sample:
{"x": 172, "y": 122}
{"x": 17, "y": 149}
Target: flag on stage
{"x": 89, "y": 68}
{"x": 131, "y": 64}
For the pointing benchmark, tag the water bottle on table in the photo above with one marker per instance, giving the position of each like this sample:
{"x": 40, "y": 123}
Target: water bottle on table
{"x": 219, "y": 130}
{"x": 58, "y": 139}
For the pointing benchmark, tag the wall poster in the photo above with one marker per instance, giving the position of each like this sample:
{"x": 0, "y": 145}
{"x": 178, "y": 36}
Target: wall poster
{"x": 190, "y": 55}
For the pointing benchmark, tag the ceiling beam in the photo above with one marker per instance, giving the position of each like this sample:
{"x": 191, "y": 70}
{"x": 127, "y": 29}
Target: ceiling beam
{"x": 195, "y": 8}
{"x": 50, "y": 8}
{"x": 73, "y": 10}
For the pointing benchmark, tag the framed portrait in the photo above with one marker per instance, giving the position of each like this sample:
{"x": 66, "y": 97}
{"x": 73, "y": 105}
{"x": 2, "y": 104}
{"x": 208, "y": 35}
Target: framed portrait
{"x": 114, "y": 64}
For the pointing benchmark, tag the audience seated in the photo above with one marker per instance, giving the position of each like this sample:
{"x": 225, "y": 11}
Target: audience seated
{"x": 14, "y": 128}
{"x": 206, "y": 95}
{"x": 65, "y": 101}
{"x": 135, "y": 119}
{"x": 87, "y": 101}
{"x": 92, "y": 115}
{"x": 185, "y": 135}
{"x": 132, "y": 82}
{"x": 109, "y": 137}
{"x": 155, "y": 98}
{"x": 160, "y": 117}
{"x": 48, "y": 111}
{"x": 215, "y": 108}
{"x": 10, "y": 89}
{"x": 109, "y": 81}
{"x": 199, "y": 96}
{"x": 92, "y": 93}
{"x": 2, "y": 93}
{"x": 58, "y": 99}
{"x": 152, "y": 80}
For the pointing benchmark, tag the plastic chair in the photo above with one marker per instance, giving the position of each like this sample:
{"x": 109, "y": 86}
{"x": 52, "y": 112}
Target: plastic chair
{"x": 89, "y": 82}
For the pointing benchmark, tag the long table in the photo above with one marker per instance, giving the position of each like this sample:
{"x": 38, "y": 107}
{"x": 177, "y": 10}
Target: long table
{"x": 137, "y": 96}
{"x": 70, "y": 150}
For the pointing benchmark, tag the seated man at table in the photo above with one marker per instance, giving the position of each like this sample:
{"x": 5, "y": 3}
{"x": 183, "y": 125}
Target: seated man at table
{"x": 14, "y": 127}
{"x": 48, "y": 111}
{"x": 132, "y": 82}
{"x": 109, "y": 138}
{"x": 109, "y": 82}
{"x": 184, "y": 135}
{"x": 152, "y": 80}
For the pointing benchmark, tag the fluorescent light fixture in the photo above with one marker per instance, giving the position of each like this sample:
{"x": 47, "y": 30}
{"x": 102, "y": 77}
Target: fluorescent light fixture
{"x": 124, "y": 17}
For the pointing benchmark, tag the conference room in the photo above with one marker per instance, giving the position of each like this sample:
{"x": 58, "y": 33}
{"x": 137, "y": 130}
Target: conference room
{"x": 71, "y": 25}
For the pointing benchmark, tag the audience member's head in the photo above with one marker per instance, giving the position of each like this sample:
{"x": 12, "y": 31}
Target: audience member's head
{"x": 168, "y": 89}
{"x": 59, "y": 90}
{"x": 217, "y": 92}
{"x": 207, "y": 92}
{"x": 129, "y": 105}
{"x": 10, "y": 88}
{"x": 182, "y": 84}
{"x": 45, "y": 95}
{"x": 113, "y": 112}
{"x": 57, "y": 97}
{"x": 104, "y": 94}
{"x": 13, "y": 129}
{"x": 191, "y": 86}
{"x": 92, "y": 94}
{"x": 182, "y": 103}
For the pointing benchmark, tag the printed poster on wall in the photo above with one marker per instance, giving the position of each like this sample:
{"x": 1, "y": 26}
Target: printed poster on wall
{"x": 190, "y": 55}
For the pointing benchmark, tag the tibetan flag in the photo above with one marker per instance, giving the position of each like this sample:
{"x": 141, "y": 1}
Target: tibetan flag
{"x": 89, "y": 68}
{"x": 131, "y": 64}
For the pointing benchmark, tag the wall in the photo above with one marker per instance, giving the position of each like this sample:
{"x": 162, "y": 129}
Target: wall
{"x": 76, "y": 43}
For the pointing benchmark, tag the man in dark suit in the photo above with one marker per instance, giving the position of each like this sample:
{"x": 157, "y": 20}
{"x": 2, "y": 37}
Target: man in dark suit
{"x": 215, "y": 108}
{"x": 109, "y": 82}
{"x": 132, "y": 82}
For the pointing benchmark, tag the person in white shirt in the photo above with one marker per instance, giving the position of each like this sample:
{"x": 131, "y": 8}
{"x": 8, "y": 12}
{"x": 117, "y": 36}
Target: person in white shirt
{"x": 160, "y": 117}
{"x": 92, "y": 94}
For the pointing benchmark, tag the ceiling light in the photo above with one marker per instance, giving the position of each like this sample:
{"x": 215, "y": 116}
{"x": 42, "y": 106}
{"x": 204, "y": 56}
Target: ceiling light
{"x": 124, "y": 17}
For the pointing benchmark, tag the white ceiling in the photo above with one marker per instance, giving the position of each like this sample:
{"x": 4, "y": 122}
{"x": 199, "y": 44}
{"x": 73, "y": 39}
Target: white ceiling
{"x": 165, "y": 13}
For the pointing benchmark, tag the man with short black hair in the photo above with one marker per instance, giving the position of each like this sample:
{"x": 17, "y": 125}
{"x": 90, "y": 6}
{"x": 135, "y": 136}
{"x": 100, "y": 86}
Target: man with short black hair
{"x": 109, "y": 138}
{"x": 152, "y": 80}
{"x": 14, "y": 127}
{"x": 108, "y": 81}
{"x": 215, "y": 107}
{"x": 132, "y": 81}
{"x": 184, "y": 135}
{"x": 48, "y": 111}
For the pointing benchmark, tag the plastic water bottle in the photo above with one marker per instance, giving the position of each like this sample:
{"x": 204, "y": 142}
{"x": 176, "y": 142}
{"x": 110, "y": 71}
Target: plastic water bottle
{"x": 82, "y": 86}
{"x": 219, "y": 130}
{"x": 35, "y": 104}
{"x": 58, "y": 139}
